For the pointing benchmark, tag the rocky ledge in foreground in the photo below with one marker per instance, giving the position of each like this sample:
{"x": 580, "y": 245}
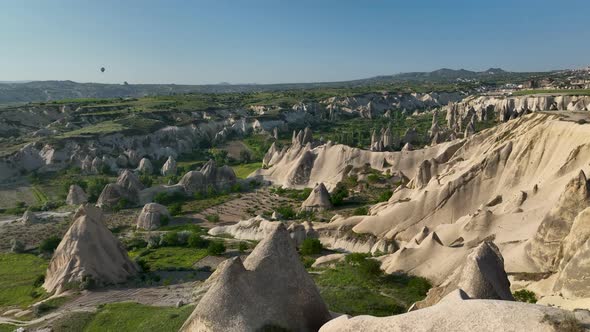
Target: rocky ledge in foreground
{"x": 269, "y": 290}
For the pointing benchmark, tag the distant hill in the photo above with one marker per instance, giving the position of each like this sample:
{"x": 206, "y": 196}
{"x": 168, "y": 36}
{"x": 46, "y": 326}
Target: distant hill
{"x": 42, "y": 91}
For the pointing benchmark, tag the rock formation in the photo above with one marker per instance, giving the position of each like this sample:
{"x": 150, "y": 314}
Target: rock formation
{"x": 481, "y": 276}
{"x": 88, "y": 253}
{"x": 271, "y": 277}
{"x": 151, "y": 216}
{"x": 128, "y": 186}
{"x": 145, "y": 166}
{"x": 76, "y": 195}
{"x": 458, "y": 313}
{"x": 29, "y": 218}
{"x": 209, "y": 177}
{"x": 545, "y": 247}
{"x": 318, "y": 200}
{"x": 169, "y": 167}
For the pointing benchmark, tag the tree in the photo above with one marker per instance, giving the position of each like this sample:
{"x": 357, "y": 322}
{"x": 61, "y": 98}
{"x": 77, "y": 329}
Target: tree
{"x": 216, "y": 248}
{"x": 339, "y": 194}
{"x": 311, "y": 247}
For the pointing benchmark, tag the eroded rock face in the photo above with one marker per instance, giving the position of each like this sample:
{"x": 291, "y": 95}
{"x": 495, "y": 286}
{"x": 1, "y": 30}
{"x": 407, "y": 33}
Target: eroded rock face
{"x": 128, "y": 186}
{"x": 169, "y": 167}
{"x": 273, "y": 278}
{"x": 210, "y": 176}
{"x": 481, "y": 276}
{"x": 88, "y": 252}
{"x": 318, "y": 200}
{"x": 145, "y": 166}
{"x": 29, "y": 218}
{"x": 76, "y": 195}
{"x": 151, "y": 216}
{"x": 544, "y": 248}
{"x": 458, "y": 313}
{"x": 506, "y": 108}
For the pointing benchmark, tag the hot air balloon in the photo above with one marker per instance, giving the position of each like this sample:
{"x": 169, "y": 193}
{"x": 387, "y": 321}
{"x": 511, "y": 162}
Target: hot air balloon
{"x": 102, "y": 69}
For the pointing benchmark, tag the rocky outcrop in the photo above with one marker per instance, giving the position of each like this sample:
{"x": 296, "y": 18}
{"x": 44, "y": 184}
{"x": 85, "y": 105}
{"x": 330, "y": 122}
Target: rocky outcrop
{"x": 371, "y": 105}
{"x": 318, "y": 200}
{"x": 128, "y": 187}
{"x": 76, "y": 195}
{"x": 271, "y": 277}
{"x": 458, "y": 313}
{"x": 481, "y": 276}
{"x": 504, "y": 108}
{"x": 304, "y": 166}
{"x": 301, "y": 231}
{"x": 29, "y": 218}
{"x": 151, "y": 216}
{"x": 169, "y": 167}
{"x": 545, "y": 247}
{"x": 258, "y": 228}
{"x": 209, "y": 177}
{"x": 145, "y": 166}
{"x": 88, "y": 255}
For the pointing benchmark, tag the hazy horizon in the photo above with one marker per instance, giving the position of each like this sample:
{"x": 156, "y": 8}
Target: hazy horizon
{"x": 268, "y": 42}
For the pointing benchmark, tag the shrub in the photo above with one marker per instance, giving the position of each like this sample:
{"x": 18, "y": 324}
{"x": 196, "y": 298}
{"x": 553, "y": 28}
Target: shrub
{"x": 243, "y": 246}
{"x": 153, "y": 241}
{"x": 214, "y": 218}
{"x": 175, "y": 208}
{"x": 39, "y": 280}
{"x": 370, "y": 267}
{"x": 40, "y": 309}
{"x": 165, "y": 198}
{"x": 183, "y": 237}
{"x": 215, "y": 248}
{"x": 361, "y": 211}
{"x": 311, "y": 247}
{"x": 146, "y": 180}
{"x": 164, "y": 220}
{"x": 286, "y": 211}
{"x": 307, "y": 261}
{"x": 49, "y": 244}
{"x": 16, "y": 246}
{"x": 196, "y": 241}
{"x": 121, "y": 204}
{"x": 236, "y": 188}
{"x": 169, "y": 239}
{"x": 95, "y": 187}
{"x": 355, "y": 258}
{"x": 373, "y": 178}
{"x": 384, "y": 196}
{"x": 525, "y": 295}
{"x": 339, "y": 194}
{"x": 136, "y": 243}
{"x": 87, "y": 283}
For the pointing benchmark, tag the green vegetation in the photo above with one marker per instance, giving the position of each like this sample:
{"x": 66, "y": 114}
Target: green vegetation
{"x": 298, "y": 195}
{"x": 18, "y": 276}
{"x": 242, "y": 171}
{"x": 215, "y": 248}
{"x": 574, "y": 92}
{"x": 361, "y": 211}
{"x": 286, "y": 211}
{"x": 49, "y": 244}
{"x": 7, "y": 328}
{"x": 214, "y": 218}
{"x": 72, "y": 322}
{"x": 524, "y": 295}
{"x": 168, "y": 258}
{"x": 359, "y": 287}
{"x": 311, "y": 247}
{"x": 339, "y": 194}
{"x": 118, "y": 317}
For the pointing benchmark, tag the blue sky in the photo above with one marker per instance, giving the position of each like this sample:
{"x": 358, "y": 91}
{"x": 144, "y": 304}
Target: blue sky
{"x": 198, "y": 42}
